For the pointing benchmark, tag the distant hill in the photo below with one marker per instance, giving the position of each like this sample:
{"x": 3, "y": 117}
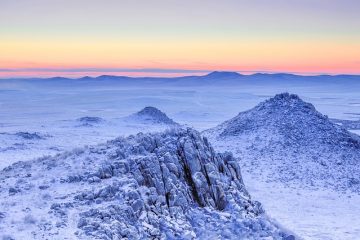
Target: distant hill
{"x": 222, "y": 75}
{"x": 291, "y": 141}
{"x": 152, "y": 115}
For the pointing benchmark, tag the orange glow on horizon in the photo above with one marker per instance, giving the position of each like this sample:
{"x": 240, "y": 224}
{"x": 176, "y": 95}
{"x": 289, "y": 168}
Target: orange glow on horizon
{"x": 247, "y": 55}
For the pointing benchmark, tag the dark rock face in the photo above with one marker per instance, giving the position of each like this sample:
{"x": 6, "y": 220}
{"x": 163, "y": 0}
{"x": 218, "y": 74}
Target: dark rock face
{"x": 191, "y": 169}
{"x": 170, "y": 185}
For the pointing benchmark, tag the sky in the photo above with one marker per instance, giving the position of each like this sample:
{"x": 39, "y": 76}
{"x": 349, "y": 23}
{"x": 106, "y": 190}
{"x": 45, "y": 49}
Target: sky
{"x": 166, "y": 37}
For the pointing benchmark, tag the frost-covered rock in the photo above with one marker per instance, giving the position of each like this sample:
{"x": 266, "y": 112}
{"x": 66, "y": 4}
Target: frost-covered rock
{"x": 89, "y": 121}
{"x": 27, "y": 135}
{"x": 152, "y": 115}
{"x": 286, "y": 139}
{"x": 348, "y": 124}
{"x": 170, "y": 185}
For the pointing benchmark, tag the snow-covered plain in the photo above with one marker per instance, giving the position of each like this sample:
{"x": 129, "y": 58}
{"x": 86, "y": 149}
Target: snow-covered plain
{"x": 46, "y": 116}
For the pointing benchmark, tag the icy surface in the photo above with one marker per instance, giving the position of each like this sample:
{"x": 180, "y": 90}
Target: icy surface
{"x": 313, "y": 213}
{"x": 170, "y": 185}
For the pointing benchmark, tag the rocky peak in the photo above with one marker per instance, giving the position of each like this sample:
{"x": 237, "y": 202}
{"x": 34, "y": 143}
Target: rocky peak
{"x": 154, "y": 115}
{"x": 286, "y": 101}
{"x": 287, "y": 128}
{"x": 169, "y": 185}
{"x": 288, "y": 116}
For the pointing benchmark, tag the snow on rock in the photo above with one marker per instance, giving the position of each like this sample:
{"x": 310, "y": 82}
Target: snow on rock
{"x": 11, "y": 143}
{"x": 348, "y": 124}
{"x": 152, "y": 115}
{"x": 26, "y": 135}
{"x": 88, "y": 121}
{"x": 286, "y": 139}
{"x": 169, "y": 185}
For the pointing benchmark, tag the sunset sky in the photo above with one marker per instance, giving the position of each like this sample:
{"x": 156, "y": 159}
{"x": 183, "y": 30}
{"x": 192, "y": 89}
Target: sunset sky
{"x": 168, "y": 37}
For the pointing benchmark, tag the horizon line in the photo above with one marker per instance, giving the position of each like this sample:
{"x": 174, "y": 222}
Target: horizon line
{"x": 162, "y": 71}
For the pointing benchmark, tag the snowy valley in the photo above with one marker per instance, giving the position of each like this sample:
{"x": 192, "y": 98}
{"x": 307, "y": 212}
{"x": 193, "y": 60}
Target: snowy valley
{"x": 96, "y": 158}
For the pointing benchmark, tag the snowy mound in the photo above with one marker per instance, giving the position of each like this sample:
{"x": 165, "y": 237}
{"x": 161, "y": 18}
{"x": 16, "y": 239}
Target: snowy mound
{"x": 149, "y": 186}
{"x": 89, "y": 121}
{"x": 152, "y": 115}
{"x": 26, "y": 135}
{"x": 288, "y": 136}
{"x": 29, "y": 136}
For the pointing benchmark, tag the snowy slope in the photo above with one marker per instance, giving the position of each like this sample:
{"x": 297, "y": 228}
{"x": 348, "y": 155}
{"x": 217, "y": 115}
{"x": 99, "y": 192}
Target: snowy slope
{"x": 169, "y": 185}
{"x": 285, "y": 139}
{"x": 33, "y": 141}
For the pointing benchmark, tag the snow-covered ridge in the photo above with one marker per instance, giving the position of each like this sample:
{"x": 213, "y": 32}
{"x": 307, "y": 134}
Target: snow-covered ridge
{"x": 170, "y": 185}
{"x": 293, "y": 141}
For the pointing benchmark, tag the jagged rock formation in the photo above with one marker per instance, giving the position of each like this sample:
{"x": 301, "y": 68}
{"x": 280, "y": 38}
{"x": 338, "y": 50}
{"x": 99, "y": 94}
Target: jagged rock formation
{"x": 170, "y": 185}
{"x": 291, "y": 141}
{"x": 152, "y": 115}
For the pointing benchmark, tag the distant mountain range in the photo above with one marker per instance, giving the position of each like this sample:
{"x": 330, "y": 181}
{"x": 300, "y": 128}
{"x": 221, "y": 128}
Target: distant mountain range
{"x": 214, "y": 79}
{"x": 215, "y": 75}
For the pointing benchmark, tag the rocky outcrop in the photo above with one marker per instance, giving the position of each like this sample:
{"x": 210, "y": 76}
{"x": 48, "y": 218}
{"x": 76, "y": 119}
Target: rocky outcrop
{"x": 152, "y": 115}
{"x": 294, "y": 120}
{"x": 170, "y": 185}
{"x": 88, "y": 121}
{"x": 293, "y": 142}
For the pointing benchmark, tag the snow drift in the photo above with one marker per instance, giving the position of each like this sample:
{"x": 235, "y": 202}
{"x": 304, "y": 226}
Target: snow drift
{"x": 169, "y": 185}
